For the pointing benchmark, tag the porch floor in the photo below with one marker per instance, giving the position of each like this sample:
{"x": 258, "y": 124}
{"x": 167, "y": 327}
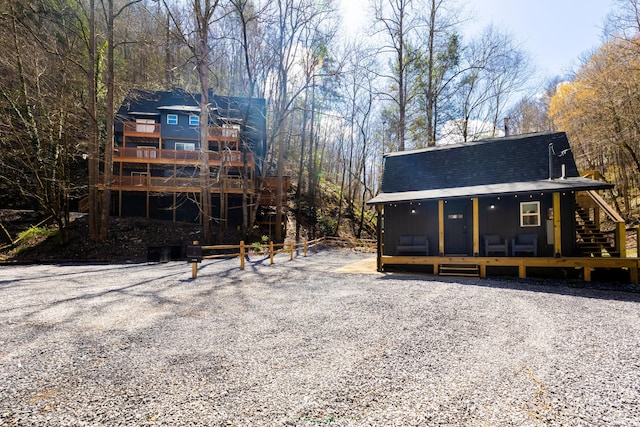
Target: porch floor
{"x": 587, "y": 264}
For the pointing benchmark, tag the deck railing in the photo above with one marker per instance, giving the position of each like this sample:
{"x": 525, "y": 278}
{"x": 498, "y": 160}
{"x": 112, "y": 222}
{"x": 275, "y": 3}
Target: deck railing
{"x": 227, "y": 134}
{"x": 172, "y": 183}
{"x": 156, "y": 155}
{"x": 153, "y": 130}
{"x": 142, "y": 129}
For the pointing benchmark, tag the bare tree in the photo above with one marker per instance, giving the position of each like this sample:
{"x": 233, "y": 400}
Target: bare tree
{"x": 440, "y": 59}
{"x": 531, "y": 113}
{"x": 494, "y": 70}
{"x": 196, "y": 36}
{"x": 599, "y": 112}
{"x": 110, "y": 16}
{"x": 398, "y": 21}
{"x": 40, "y": 115}
{"x": 289, "y": 42}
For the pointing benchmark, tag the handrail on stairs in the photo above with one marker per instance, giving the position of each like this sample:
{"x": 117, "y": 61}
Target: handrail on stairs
{"x": 608, "y": 210}
{"x": 620, "y": 232}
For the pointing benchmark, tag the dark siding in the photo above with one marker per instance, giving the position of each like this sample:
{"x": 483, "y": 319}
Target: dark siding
{"x": 182, "y": 130}
{"x": 160, "y": 207}
{"x": 399, "y": 220}
{"x": 134, "y": 204}
{"x": 188, "y": 209}
{"x": 503, "y": 219}
{"x": 507, "y": 221}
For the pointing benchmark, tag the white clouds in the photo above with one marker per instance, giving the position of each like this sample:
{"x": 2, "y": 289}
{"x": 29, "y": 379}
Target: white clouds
{"x": 354, "y": 15}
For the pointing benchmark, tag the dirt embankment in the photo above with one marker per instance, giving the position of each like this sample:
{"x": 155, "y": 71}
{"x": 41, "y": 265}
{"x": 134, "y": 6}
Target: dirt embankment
{"x": 129, "y": 239}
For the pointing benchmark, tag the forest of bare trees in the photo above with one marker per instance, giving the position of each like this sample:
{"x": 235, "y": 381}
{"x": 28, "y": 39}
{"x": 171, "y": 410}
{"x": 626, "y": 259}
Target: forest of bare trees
{"x": 335, "y": 100}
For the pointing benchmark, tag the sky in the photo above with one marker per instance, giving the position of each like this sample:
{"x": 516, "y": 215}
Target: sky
{"x": 556, "y": 33}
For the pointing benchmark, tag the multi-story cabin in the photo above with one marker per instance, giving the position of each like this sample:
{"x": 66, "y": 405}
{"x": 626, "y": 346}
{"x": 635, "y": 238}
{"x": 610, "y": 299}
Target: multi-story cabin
{"x": 158, "y": 156}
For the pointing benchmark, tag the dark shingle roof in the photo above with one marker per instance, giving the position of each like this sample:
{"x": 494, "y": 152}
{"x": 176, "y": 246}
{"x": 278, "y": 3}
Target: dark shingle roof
{"x": 494, "y": 166}
{"x": 148, "y": 101}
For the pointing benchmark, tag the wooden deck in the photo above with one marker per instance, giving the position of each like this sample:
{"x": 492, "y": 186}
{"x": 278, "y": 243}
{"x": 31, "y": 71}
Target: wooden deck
{"x": 181, "y": 157}
{"x": 587, "y": 265}
{"x": 230, "y": 137}
{"x": 177, "y": 185}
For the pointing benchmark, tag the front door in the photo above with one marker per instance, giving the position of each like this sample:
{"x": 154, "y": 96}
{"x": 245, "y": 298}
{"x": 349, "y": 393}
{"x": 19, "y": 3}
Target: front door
{"x": 457, "y": 227}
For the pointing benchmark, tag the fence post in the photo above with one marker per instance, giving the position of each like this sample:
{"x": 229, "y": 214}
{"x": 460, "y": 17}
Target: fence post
{"x": 241, "y": 254}
{"x": 271, "y": 252}
{"x": 194, "y": 265}
{"x": 305, "y": 247}
{"x": 290, "y": 251}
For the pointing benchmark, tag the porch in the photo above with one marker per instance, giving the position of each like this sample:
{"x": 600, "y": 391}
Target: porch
{"x": 478, "y": 266}
{"x": 570, "y": 243}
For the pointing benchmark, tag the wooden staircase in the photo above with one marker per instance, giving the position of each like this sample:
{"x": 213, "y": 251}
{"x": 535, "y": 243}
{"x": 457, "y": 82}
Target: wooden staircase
{"x": 460, "y": 270}
{"x": 592, "y": 241}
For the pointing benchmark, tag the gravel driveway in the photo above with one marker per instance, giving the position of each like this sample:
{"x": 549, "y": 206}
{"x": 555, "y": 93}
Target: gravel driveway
{"x": 299, "y": 343}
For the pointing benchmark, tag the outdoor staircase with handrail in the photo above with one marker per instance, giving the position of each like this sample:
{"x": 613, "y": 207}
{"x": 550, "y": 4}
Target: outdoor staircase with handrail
{"x": 591, "y": 240}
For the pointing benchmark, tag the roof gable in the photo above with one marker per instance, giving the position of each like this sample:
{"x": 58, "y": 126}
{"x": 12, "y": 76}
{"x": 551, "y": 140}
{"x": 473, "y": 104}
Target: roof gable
{"x": 521, "y": 158}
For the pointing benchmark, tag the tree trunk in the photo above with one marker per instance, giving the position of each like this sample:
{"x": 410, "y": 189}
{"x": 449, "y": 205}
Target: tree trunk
{"x": 109, "y": 118}
{"x": 203, "y": 14}
{"x": 94, "y": 161}
{"x": 303, "y": 139}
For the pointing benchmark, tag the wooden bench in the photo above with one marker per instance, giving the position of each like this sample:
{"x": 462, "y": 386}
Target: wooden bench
{"x": 413, "y": 244}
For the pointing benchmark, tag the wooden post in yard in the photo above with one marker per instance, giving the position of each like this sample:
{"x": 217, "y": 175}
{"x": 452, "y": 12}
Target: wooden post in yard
{"x": 290, "y": 251}
{"x": 305, "y": 247}
{"x": 241, "y": 254}
{"x": 271, "y": 252}
{"x": 194, "y": 265}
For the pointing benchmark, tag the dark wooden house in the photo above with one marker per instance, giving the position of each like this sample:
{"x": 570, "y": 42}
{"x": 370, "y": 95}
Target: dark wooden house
{"x": 157, "y": 156}
{"x": 517, "y": 201}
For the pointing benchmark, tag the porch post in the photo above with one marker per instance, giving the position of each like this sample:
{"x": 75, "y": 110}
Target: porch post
{"x": 441, "y": 227}
{"x": 621, "y": 239}
{"x": 557, "y": 230}
{"x": 476, "y": 227}
{"x": 379, "y": 233}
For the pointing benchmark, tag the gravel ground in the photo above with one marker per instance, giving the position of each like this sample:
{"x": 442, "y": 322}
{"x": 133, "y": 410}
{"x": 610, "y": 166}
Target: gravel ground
{"x": 298, "y": 343}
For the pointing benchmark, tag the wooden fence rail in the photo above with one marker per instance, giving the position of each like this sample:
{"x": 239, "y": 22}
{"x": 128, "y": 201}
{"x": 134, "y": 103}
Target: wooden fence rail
{"x": 232, "y": 251}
